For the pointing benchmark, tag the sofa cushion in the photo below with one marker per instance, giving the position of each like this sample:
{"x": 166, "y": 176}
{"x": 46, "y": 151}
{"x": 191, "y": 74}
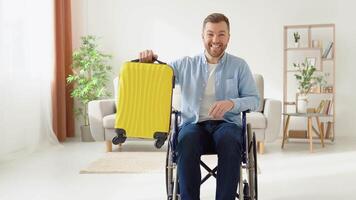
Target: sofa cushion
{"x": 260, "y": 88}
{"x": 109, "y": 121}
{"x": 257, "y": 120}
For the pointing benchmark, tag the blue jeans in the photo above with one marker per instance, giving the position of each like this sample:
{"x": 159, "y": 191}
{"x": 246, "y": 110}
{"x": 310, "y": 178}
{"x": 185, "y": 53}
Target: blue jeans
{"x": 211, "y": 136}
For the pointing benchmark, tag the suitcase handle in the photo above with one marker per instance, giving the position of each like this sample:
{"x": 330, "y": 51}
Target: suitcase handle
{"x": 154, "y": 59}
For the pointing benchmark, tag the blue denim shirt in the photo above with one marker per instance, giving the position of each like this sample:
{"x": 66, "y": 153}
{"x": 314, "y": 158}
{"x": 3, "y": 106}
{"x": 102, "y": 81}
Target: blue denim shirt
{"x": 233, "y": 80}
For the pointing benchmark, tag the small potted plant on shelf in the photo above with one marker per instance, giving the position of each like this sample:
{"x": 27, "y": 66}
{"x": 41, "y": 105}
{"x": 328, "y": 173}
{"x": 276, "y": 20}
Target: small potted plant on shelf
{"x": 321, "y": 81}
{"x": 90, "y": 74}
{"x": 306, "y": 81}
{"x": 296, "y": 39}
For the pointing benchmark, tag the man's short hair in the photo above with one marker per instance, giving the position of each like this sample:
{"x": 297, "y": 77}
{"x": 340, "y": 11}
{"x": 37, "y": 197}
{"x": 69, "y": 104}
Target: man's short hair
{"x": 216, "y": 18}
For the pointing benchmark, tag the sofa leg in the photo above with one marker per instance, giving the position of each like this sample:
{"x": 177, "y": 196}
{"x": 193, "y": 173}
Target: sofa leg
{"x": 108, "y": 146}
{"x": 261, "y": 147}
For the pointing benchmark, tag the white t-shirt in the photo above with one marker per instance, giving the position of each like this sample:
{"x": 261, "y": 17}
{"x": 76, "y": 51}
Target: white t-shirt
{"x": 209, "y": 95}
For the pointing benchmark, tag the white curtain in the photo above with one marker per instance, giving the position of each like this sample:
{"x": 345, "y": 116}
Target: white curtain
{"x": 26, "y": 71}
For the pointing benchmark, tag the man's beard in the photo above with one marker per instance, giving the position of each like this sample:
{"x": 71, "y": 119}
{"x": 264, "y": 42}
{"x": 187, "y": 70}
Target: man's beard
{"x": 215, "y": 50}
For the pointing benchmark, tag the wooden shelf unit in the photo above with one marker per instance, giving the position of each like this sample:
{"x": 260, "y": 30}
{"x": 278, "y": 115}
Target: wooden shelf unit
{"x": 308, "y": 35}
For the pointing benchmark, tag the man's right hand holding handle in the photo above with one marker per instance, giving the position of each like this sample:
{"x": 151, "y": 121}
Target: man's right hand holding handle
{"x": 147, "y": 56}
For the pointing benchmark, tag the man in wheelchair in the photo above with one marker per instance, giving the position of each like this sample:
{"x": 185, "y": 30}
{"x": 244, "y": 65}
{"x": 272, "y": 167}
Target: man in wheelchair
{"x": 216, "y": 87}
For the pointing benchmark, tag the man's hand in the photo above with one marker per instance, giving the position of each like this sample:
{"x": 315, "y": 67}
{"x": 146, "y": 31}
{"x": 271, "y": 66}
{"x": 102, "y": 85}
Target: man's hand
{"x": 219, "y": 108}
{"x": 147, "y": 56}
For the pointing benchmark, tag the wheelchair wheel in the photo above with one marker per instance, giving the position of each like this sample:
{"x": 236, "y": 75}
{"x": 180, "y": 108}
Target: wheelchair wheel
{"x": 252, "y": 168}
{"x": 171, "y": 175}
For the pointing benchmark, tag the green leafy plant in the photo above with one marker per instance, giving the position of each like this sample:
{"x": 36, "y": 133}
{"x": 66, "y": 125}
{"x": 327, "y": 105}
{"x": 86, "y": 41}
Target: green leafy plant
{"x": 90, "y": 74}
{"x": 305, "y": 77}
{"x": 321, "y": 80}
{"x": 296, "y": 37}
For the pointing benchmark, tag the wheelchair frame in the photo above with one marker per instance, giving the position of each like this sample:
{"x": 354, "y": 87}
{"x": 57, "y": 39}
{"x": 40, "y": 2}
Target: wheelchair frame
{"x": 248, "y": 185}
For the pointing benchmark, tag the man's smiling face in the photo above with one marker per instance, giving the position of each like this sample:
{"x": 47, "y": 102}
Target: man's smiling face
{"x": 216, "y": 37}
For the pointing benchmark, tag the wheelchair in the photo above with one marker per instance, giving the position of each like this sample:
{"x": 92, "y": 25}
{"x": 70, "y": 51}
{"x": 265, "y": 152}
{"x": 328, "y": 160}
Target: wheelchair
{"x": 247, "y": 186}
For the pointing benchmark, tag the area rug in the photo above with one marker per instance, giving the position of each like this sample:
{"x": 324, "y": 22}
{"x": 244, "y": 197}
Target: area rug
{"x": 127, "y": 162}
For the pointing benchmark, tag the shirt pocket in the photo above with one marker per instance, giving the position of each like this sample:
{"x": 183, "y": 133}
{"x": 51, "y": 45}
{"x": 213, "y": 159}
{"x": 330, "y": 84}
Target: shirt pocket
{"x": 231, "y": 90}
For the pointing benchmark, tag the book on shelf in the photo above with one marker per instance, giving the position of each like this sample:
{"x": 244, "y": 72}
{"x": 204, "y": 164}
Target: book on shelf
{"x": 320, "y": 107}
{"x": 327, "y": 50}
{"x": 329, "y": 112}
{"x": 325, "y": 107}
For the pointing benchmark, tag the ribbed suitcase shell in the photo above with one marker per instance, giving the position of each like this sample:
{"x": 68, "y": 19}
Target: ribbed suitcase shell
{"x": 145, "y": 99}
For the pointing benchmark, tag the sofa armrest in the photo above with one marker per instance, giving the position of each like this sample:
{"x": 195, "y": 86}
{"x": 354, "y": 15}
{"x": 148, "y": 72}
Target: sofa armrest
{"x": 272, "y": 111}
{"x": 97, "y": 110}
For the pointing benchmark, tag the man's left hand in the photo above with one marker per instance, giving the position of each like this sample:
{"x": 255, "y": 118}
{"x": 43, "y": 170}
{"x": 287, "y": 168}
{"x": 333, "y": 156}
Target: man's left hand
{"x": 219, "y": 108}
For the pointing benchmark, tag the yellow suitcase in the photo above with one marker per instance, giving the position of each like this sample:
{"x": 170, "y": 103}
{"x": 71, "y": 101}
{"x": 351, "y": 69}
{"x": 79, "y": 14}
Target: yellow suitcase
{"x": 144, "y": 102}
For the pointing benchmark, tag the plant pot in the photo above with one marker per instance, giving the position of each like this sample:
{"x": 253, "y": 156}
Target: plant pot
{"x": 296, "y": 44}
{"x": 302, "y": 104}
{"x": 86, "y": 134}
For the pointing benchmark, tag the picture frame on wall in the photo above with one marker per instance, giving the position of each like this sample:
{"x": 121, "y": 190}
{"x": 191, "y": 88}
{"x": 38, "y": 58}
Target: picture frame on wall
{"x": 311, "y": 61}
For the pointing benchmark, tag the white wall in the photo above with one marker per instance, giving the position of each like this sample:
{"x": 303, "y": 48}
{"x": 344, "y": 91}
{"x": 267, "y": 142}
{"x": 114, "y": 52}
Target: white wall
{"x": 172, "y": 29}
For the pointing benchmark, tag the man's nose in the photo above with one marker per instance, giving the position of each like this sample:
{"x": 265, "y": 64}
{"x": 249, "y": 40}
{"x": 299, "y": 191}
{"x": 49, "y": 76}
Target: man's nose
{"x": 215, "y": 38}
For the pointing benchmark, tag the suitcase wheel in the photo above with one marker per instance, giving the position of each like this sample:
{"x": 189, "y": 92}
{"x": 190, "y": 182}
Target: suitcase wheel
{"x": 120, "y": 138}
{"x": 159, "y": 143}
{"x": 160, "y": 139}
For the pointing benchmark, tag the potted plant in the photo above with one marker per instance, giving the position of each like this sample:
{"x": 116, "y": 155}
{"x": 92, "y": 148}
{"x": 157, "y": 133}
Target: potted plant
{"x": 321, "y": 81}
{"x": 306, "y": 81}
{"x": 296, "y": 39}
{"x": 89, "y": 78}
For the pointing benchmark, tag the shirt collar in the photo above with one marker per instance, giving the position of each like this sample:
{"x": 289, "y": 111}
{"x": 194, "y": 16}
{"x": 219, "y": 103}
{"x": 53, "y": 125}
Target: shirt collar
{"x": 221, "y": 61}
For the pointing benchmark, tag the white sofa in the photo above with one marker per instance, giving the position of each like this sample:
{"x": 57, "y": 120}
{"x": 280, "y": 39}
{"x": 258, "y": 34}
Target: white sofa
{"x": 265, "y": 121}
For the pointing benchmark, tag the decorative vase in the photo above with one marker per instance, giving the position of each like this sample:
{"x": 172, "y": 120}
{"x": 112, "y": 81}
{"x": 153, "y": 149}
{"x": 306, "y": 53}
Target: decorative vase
{"x": 302, "y": 104}
{"x": 86, "y": 134}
